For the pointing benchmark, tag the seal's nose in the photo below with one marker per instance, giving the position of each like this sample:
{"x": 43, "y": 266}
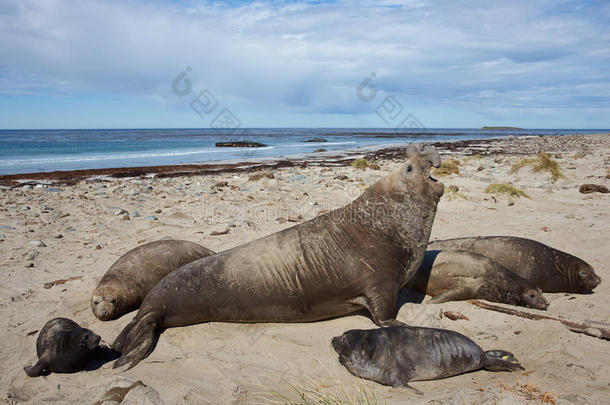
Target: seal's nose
{"x": 337, "y": 343}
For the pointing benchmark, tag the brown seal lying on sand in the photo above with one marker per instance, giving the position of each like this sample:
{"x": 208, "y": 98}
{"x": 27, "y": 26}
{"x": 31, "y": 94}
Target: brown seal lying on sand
{"x": 399, "y": 354}
{"x": 356, "y": 256}
{"x": 454, "y": 275}
{"x": 63, "y": 347}
{"x": 548, "y": 269}
{"x": 130, "y": 278}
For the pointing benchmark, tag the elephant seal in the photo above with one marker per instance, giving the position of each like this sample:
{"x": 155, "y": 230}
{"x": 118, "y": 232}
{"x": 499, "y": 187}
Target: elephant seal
{"x": 354, "y": 257}
{"x": 454, "y": 275}
{"x": 548, "y": 269}
{"x": 63, "y": 347}
{"x": 130, "y": 278}
{"x": 400, "y": 354}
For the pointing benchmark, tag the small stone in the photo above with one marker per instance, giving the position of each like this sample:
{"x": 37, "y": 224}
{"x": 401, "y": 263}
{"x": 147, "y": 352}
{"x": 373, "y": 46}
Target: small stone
{"x": 32, "y": 255}
{"x": 319, "y": 150}
{"x": 54, "y": 190}
{"x": 100, "y": 245}
{"x": 151, "y": 218}
{"x": 149, "y": 188}
{"x": 47, "y": 208}
{"x": 2, "y": 236}
{"x": 29, "y": 265}
{"x": 221, "y": 184}
{"x": 295, "y": 219}
{"x": 120, "y": 212}
{"x": 125, "y": 217}
{"x": 374, "y": 166}
{"x": 480, "y": 169}
{"x": 158, "y": 211}
{"x": 27, "y": 187}
{"x": 132, "y": 192}
{"x": 341, "y": 177}
{"x": 134, "y": 214}
{"x": 37, "y": 243}
{"x": 545, "y": 229}
{"x": 59, "y": 236}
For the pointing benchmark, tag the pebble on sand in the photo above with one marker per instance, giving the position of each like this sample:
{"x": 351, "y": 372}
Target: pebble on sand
{"x": 37, "y": 243}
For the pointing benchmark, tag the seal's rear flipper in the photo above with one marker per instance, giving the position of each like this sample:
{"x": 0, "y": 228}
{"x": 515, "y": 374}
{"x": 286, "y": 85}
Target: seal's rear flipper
{"x": 136, "y": 341}
{"x": 499, "y": 360}
{"x": 451, "y": 295}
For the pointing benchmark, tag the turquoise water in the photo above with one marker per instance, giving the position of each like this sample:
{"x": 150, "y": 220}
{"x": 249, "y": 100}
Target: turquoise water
{"x": 28, "y": 151}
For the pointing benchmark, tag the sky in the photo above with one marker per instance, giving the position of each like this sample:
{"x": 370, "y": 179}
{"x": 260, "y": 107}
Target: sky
{"x": 188, "y": 64}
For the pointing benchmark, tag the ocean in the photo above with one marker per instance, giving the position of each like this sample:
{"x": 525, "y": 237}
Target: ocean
{"x": 29, "y": 151}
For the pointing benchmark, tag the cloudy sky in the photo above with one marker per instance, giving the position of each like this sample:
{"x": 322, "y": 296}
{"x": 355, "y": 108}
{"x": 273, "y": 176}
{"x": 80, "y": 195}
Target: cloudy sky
{"x": 115, "y": 64}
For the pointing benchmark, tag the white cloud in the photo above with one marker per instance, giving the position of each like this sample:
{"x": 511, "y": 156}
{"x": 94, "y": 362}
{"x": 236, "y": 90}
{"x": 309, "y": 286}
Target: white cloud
{"x": 309, "y": 57}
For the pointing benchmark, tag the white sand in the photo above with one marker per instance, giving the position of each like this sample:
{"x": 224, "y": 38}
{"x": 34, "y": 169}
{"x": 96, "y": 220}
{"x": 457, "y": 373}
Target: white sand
{"x": 223, "y": 363}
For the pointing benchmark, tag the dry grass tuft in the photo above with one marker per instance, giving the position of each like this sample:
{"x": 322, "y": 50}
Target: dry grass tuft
{"x": 473, "y": 157}
{"x": 449, "y": 166}
{"x": 360, "y": 163}
{"x": 542, "y": 162}
{"x": 314, "y": 394}
{"x": 502, "y": 188}
{"x": 530, "y": 392}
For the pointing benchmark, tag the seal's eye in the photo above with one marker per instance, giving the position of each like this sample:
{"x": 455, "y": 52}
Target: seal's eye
{"x": 532, "y": 295}
{"x": 95, "y": 302}
{"x": 113, "y": 301}
{"x": 409, "y": 169}
{"x": 584, "y": 273}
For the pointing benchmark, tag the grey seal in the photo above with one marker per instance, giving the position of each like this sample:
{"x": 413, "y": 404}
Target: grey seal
{"x": 547, "y": 268}
{"x": 63, "y": 347}
{"x": 131, "y": 277}
{"x": 399, "y": 354}
{"x": 354, "y": 257}
{"x": 453, "y": 275}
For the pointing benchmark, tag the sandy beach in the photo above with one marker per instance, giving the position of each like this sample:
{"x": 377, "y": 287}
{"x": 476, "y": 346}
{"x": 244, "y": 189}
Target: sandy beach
{"x": 75, "y": 228}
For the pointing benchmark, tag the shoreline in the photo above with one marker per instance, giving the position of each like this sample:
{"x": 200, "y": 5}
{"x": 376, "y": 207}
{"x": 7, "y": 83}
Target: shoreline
{"x": 324, "y": 159}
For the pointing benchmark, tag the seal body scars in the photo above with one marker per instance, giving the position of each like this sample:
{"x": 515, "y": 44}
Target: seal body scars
{"x": 356, "y": 256}
{"x": 400, "y": 354}
{"x": 453, "y": 275}
{"x": 63, "y": 347}
{"x": 548, "y": 269}
{"x": 130, "y": 278}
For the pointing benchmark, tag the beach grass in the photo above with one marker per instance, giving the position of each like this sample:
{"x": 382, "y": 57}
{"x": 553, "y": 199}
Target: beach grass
{"x": 543, "y": 162}
{"x": 503, "y": 188}
{"x": 313, "y": 393}
{"x": 360, "y": 163}
{"x": 448, "y": 167}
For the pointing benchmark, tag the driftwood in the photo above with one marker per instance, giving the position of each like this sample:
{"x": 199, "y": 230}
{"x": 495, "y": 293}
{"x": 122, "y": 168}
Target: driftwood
{"x": 587, "y": 327}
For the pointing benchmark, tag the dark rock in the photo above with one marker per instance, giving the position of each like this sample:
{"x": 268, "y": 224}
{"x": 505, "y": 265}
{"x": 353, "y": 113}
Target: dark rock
{"x": 593, "y": 188}
{"x": 239, "y": 144}
{"x": 319, "y": 150}
{"x": 316, "y": 140}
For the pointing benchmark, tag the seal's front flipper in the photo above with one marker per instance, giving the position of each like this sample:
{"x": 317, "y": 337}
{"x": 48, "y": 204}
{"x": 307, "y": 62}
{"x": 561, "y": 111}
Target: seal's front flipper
{"x": 137, "y": 341}
{"x": 37, "y": 369}
{"x": 382, "y": 307}
{"x": 400, "y": 380}
{"x": 451, "y": 295}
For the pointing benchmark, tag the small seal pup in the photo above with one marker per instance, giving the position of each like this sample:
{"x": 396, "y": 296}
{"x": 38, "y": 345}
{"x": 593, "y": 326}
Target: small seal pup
{"x": 454, "y": 275}
{"x": 130, "y": 278}
{"x": 548, "y": 269}
{"x": 63, "y": 347}
{"x": 399, "y": 354}
{"x": 354, "y": 257}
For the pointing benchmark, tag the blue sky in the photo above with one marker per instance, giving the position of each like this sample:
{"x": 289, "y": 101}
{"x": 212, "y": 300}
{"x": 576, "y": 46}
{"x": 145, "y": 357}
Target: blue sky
{"x": 111, "y": 64}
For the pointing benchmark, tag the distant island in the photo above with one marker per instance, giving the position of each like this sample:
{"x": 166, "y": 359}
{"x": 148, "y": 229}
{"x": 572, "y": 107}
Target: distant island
{"x": 239, "y": 144}
{"x": 500, "y": 128}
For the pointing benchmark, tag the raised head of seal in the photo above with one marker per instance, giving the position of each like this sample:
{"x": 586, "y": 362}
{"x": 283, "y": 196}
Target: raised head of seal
{"x": 355, "y": 257}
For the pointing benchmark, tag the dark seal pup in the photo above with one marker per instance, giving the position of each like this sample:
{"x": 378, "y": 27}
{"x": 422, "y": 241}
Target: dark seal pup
{"x": 63, "y": 347}
{"x": 548, "y": 269}
{"x": 399, "y": 354}
{"x": 354, "y": 257}
{"x": 454, "y": 275}
{"x": 130, "y": 278}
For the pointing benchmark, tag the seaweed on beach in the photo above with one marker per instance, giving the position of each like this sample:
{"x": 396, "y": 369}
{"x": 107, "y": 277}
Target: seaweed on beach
{"x": 543, "y": 162}
{"x": 502, "y": 188}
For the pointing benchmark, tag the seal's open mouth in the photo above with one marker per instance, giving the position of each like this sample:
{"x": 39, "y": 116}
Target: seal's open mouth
{"x": 439, "y": 187}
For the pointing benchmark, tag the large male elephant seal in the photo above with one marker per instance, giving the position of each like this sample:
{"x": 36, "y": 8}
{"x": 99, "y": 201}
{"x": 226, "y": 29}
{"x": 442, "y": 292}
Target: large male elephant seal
{"x": 453, "y": 275}
{"x": 130, "y": 278}
{"x": 356, "y": 256}
{"x": 63, "y": 347}
{"x": 399, "y": 354}
{"x": 548, "y": 269}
